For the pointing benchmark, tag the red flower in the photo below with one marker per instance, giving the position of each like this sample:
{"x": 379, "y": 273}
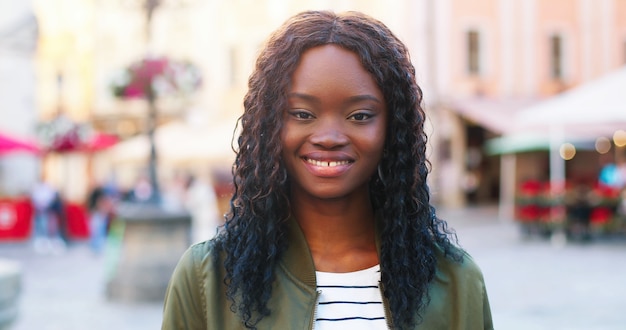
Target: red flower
{"x": 152, "y": 77}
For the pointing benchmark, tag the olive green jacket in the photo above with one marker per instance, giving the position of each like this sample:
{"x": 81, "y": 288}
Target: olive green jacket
{"x": 196, "y": 298}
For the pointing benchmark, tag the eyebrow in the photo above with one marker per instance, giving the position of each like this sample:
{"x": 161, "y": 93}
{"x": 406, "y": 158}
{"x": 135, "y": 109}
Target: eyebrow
{"x": 351, "y": 99}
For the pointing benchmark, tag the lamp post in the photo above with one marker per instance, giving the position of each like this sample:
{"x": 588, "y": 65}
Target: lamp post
{"x": 152, "y": 162}
{"x": 149, "y": 7}
{"x": 149, "y": 237}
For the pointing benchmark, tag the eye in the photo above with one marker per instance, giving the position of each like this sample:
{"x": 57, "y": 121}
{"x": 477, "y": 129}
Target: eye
{"x": 360, "y": 116}
{"x": 301, "y": 114}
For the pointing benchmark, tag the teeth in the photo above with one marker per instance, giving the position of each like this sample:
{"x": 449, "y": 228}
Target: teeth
{"x": 327, "y": 164}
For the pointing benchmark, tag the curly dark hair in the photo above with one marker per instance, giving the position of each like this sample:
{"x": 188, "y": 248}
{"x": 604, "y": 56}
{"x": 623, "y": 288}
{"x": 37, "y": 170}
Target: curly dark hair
{"x": 254, "y": 235}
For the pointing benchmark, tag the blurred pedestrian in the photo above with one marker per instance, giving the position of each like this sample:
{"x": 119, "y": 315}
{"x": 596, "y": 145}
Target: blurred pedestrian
{"x": 101, "y": 204}
{"x": 60, "y": 215}
{"x": 201, "y": 201}
{"x": 470, "y": 185}
{"x": 47, "y": 237}
{"x": 330, "y": 224}
{"x": 142, "y": 191}
{"x": 578, "y": 202}
{"x": 173, "y": 196}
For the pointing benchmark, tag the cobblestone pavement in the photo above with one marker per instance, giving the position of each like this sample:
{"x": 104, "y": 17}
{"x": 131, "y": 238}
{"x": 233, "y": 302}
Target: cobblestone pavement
{"x": 66, "y": 292}
{"x": 532, "y": 284}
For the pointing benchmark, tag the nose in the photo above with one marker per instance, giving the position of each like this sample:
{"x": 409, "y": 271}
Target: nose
{"x": 329, "y": 135}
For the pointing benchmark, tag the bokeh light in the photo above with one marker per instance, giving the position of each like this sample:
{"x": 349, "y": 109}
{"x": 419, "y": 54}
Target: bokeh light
{"x": 619, "y": 138}
{"x": 603, "y": 145}
{"x": 567, "y": 151}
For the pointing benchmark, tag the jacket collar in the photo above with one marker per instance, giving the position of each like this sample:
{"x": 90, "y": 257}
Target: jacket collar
{"x": 297, "y": 258}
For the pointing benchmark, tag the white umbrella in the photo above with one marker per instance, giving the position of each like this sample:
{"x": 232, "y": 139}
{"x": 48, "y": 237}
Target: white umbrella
{"x": 178, "y": 142}
{"x": 591, "y": 110}
{"x": 584, "y": 113}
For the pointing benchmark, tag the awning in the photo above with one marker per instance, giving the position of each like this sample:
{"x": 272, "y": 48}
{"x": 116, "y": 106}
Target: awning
{"x": 527, "y": 142}
{"x": 579, "y": 116}
{"x": 493, "y": 114}
{"x": 178, "y": 142}
{"x": 10, "y": 144}
{"x": 593, "y": 109}
{"x": 100, "y": 141}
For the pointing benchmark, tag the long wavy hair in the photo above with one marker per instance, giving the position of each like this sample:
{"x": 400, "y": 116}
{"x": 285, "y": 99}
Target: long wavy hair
{"x": 254, "y": 235}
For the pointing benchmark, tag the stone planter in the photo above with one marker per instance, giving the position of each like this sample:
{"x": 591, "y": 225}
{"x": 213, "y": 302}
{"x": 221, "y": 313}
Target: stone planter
{"x": 10, "y": 287}
{"x": 146, "y": 242}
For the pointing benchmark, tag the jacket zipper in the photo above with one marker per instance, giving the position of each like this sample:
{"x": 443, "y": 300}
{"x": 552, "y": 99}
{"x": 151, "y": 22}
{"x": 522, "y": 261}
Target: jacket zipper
{"x": 317, "y": 297}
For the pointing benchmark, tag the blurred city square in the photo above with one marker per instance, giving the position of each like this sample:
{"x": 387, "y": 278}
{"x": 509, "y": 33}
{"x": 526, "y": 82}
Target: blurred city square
{"x": 532, "y": 283}
{"x": 132, "y": 101}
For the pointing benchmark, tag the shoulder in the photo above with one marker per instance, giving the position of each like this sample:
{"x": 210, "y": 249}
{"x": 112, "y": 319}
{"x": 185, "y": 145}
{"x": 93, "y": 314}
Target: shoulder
{"x": 193, "y": 288}
{"x": 198, "y": 263}
{"x": 460, "y": 281}
{"x": 458, "y": 291}
{"x": 466, "y": 269}
{"x": 192, "y": 266}
{"x": 200, "y": 252}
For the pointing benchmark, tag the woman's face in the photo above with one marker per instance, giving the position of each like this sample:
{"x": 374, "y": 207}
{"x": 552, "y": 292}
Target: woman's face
{"x": 334, "y": 127}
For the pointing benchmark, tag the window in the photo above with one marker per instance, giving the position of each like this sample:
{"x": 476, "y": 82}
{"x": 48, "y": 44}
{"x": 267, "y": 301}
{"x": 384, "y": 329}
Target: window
{"x": 473, "y": 52}
{"x": 556, "y": 57}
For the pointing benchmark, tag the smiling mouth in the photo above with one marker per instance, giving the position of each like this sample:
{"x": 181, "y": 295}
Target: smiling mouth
{"x": 322, "y": 163}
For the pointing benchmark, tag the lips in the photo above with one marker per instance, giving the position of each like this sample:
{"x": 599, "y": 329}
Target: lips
{"x": 327, "y": 167}
{"x": 325, "y": 163}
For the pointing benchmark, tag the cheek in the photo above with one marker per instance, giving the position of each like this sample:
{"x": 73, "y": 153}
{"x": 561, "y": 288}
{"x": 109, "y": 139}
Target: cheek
{"x": 290, "y": 142}
{"x": 376, "y": 141}
{"x": 372, "y": 148}
{"x": 287, "y": 139}
{"x": 377, "y": 151}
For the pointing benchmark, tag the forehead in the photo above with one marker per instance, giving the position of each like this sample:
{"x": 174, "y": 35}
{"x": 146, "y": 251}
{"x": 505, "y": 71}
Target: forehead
{"x": 332, "y": 66}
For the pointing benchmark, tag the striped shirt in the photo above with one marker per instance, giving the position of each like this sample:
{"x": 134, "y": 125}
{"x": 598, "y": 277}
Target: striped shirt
{"x": 350, "y": 300}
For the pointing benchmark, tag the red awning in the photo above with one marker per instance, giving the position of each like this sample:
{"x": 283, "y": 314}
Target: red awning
{"x": 71, "y": 142}
{"x": 101, "y": 141}
{"x": 12, "y": 144}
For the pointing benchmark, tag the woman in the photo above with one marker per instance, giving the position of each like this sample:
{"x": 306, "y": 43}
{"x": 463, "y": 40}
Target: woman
{"x": 330, "y": 224}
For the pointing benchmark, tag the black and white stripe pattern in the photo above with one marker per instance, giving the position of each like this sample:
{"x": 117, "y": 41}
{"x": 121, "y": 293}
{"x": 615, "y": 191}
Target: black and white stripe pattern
{"x": 350, "y": 300}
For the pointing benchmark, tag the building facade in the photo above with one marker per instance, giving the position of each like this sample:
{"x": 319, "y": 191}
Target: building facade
{"x": 18, "y": 115}
{"x": 477, "y": 61}
{"x": 495, "y": 57}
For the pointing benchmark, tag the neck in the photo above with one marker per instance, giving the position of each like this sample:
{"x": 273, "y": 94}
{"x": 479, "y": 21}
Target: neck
{"x": 340, "y": 233}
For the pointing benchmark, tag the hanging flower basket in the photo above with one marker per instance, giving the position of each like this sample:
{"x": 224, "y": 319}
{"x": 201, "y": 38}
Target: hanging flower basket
{"x": 64, "y": 135}
{"x": 154, "y": 77}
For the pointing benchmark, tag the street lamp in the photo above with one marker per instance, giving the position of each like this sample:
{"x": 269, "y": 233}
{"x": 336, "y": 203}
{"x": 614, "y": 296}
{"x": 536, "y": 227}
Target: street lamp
{"x": 148, "y": 79}
{"x": 151, "y": 237}
{"x": 148, "y": 74}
